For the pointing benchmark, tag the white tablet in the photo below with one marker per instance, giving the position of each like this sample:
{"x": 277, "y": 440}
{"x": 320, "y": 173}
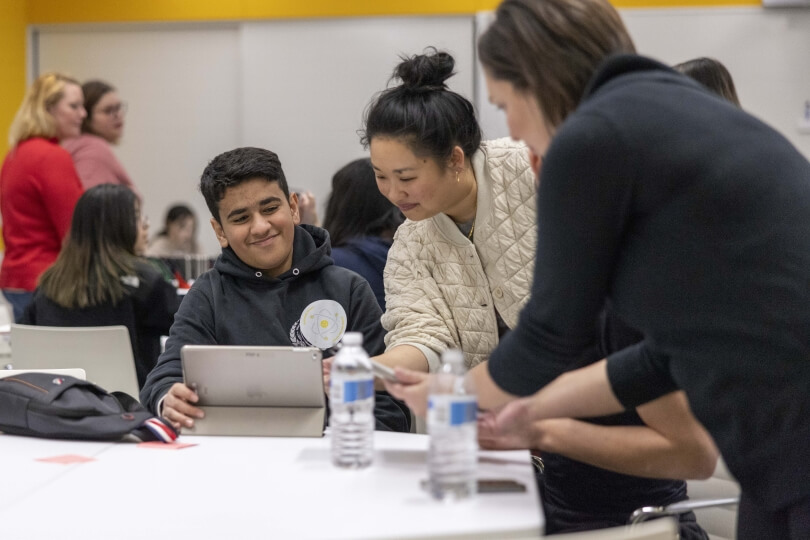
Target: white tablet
{"x": 251, "y": 376}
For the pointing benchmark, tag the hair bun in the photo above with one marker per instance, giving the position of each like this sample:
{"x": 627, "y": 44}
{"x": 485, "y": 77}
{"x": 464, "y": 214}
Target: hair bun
{"x": 425, "y": 72}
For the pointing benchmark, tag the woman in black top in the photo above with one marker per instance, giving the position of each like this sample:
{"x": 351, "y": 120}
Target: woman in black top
{"x": 98, "y": 280}
{"x": 692, "y": 218}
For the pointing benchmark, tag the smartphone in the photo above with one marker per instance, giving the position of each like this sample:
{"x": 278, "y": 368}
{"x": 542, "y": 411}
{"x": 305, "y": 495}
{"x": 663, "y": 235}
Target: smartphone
{"x": 500, "y": 485}
{"x": 383, "y": 372}
{"x": 492, "y": 485}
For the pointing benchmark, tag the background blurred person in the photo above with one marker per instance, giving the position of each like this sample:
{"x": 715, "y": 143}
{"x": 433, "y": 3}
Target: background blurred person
{"x": 39, "y": 185}
{"x": 361, "y": 223}
{"x": 98, "y": 279}
{"x": 104, "y": 125}
{"x": 178, "y": 237}
{"x": 711, "y": 74}
{"x": 307, "y": 208}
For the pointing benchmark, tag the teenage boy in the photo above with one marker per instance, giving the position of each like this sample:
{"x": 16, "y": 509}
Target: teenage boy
{"x": 273, "y": 284}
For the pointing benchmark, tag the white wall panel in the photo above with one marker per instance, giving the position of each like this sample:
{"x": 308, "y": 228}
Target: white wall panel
{"x": 299, "y": 87}
{"x": 306, "y": 84}
{"x": 766, "y": 51}
{"x": 183, "y": 89}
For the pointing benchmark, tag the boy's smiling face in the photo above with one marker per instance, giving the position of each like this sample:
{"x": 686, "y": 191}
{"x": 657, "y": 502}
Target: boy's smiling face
{"x": 258, "y": 222}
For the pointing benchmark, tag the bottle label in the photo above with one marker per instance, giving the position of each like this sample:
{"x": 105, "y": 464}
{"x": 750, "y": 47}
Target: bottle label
{"x": 452, "y": 411}
{"x": 350, "y": 391}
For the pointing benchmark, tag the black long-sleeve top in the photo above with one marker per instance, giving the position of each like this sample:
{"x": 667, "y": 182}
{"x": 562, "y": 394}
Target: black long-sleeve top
{"x": 147, "y": 311}
{"x": 693, "y": 218}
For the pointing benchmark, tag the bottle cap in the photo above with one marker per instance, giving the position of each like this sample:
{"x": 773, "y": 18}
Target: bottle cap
{"x": 452, "y": 356}
{"x": 352, "y": 338}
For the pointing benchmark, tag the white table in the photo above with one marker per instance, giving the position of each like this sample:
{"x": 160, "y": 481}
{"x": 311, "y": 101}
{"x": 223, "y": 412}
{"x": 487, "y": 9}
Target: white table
{"x": 22, "y": 477}
{"x": 234, "y": 487}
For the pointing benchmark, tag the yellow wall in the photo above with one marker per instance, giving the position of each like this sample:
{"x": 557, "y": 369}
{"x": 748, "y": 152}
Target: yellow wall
{"x": 75, "y": 11}
{"x": 12, "y": 58}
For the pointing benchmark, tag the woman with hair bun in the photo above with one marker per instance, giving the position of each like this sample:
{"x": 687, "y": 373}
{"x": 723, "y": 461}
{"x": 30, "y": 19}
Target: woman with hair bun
{"x": 459, "y": 273}
{"x": 461, "y": 265}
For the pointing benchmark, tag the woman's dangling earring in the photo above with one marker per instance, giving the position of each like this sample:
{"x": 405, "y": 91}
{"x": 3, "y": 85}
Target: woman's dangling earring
{"x": 457, "y": 179}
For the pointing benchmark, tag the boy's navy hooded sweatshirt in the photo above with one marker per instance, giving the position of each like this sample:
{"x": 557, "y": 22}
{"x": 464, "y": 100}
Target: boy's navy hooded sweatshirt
{"x": 234, "y": 304}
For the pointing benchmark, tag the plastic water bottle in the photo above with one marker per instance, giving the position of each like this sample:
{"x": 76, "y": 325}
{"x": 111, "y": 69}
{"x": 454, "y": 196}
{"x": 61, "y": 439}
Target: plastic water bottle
{"x": 453, "y": 431}
{"x": 351, "y": 402}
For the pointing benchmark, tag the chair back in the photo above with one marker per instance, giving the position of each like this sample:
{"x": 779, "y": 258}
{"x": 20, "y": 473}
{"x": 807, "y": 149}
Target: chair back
{"x": 6, "y": 313}
{"x": 104, "y": 352}
{"x": 78, "y": 373}
{"x": 720, "y": 522}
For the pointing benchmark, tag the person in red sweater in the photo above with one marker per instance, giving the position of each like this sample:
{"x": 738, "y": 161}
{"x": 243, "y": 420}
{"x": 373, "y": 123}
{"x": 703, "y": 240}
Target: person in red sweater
{"x": 39, "y": 185}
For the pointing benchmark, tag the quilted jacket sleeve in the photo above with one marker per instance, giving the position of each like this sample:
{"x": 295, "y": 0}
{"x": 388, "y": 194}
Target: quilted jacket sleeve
{"x": 416, "y": 312}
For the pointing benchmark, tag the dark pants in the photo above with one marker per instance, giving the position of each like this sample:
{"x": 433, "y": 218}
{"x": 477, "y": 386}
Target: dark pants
{"x": 757, "y": 523}
{"x": 19, "y": 300}
{"x": 568, "y": 520}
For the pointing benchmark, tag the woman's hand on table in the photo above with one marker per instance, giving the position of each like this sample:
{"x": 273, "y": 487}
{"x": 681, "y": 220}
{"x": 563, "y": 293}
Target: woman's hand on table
{"x": 509, "y": 428}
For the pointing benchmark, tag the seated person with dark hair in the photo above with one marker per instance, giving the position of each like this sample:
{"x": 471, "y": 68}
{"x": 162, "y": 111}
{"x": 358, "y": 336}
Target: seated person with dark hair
{"x": 271, "y": 273}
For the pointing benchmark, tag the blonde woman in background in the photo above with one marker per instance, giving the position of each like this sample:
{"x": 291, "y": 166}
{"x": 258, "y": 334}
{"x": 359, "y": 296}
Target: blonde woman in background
{"x": 39, "y": 185}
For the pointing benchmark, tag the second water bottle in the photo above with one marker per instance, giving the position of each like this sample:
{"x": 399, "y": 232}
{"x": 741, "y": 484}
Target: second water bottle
{"x": 453, "y": 431}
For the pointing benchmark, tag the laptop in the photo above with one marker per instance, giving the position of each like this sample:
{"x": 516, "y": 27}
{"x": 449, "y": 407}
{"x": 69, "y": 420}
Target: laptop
{"x": 256, "y": 391}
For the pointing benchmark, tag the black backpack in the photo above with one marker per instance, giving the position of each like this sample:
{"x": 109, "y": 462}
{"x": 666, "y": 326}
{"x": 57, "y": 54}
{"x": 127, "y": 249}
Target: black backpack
{"x": 64, "y": 407}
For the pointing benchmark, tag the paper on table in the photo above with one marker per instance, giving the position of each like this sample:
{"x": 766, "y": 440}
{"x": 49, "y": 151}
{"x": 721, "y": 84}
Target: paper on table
{"x": 67, "y": 459}
{"x": 157, "y": 445}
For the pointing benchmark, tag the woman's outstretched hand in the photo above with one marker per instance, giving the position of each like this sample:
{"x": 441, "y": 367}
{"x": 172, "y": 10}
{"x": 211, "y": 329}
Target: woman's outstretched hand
{"x": 412, "y": 388}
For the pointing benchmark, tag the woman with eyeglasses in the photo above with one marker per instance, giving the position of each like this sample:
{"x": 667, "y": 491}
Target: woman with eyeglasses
{"x": 103, "y": 126}
{"x": 38, "y": 184}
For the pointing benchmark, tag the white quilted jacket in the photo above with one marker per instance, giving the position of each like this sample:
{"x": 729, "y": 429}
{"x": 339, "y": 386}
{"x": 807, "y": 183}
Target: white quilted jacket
{"x": 440, "y": 288}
